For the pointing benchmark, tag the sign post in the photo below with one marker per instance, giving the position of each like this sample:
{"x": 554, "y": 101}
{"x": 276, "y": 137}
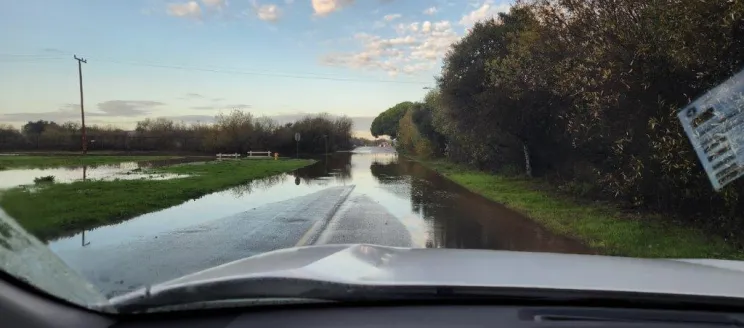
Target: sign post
{"x": 297, "y": 139}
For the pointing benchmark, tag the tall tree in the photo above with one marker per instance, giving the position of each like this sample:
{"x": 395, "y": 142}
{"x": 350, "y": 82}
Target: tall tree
{"x": 387, "y": 122}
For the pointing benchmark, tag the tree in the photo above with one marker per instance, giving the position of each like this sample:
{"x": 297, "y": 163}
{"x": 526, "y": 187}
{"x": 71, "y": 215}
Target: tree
{"x": 36, "y": 128}
{"x": 33, "y": 130}
{"x": 478, "y": 119}
{"x": 11, "y": 138}
{"x": 387, "y": 122}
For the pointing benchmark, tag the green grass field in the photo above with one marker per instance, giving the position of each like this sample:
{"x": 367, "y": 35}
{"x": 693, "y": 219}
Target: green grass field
{"x": 59, "y": 209}
{"x": 25, "y": 161}
{"x": 600, "y": 226}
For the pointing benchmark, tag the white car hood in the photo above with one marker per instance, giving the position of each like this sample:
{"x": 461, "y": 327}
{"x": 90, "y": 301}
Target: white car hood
{"x": 371, "y": 265}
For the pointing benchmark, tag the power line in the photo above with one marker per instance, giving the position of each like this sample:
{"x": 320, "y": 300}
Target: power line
{"x": 211, "y": 67}
{"x": 30, "y": 60}
{"x": 109, "y": 59}
{"x": 284, "y": 75}
{"x": 307, "y": 76}
{"x": 23, "y": 55}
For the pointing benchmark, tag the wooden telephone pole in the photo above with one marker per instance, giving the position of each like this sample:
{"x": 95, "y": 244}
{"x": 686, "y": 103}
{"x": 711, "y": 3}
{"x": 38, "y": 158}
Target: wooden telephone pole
{"x": 82, "y": 61}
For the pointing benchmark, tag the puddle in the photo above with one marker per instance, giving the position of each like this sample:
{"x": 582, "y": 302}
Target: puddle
{"x": 123, "y": 171}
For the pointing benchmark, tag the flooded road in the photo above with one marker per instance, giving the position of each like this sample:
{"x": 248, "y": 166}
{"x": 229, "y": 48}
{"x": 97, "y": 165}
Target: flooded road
{"x": 436, "y": 212}
{"x": 372, "y": 197}
{"x": 14, "y": 177}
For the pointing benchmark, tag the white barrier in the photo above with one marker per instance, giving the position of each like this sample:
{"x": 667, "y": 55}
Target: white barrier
{"x": 236, "y": 155}
{"x": 259, "y": 154}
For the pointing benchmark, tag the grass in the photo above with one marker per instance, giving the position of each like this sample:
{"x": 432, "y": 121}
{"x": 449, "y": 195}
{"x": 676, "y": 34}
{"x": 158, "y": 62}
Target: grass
{"x": 59, "y": 209}
{"x": 22, "y": 161}
{"x": 601, "y": 226}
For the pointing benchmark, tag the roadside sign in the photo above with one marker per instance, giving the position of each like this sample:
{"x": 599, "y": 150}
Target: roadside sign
{"x": 714, "y": 123}
{"x": 297, "y": 136}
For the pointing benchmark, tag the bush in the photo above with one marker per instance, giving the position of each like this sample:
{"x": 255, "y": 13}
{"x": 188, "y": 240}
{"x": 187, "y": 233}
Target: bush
{"x": 44, "y": 179}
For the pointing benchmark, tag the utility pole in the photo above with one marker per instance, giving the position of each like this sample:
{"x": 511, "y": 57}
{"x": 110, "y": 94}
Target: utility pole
{"x": 82, "y": 61}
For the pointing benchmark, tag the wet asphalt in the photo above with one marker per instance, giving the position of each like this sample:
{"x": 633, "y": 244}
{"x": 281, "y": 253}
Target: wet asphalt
{"x": 370, "y": 197}
{"x": 122, "y": 267}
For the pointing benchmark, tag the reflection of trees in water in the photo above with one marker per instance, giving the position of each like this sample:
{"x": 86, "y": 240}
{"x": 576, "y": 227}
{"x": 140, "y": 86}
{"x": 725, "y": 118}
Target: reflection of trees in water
{"x": 386, "y": 172}
{"x": 433, "y": 199}
{"x": 336, "y": 167}
{"x": 459, "y": 219}
{"x": 389, "y": 174}
{"x": 258, "y": 184}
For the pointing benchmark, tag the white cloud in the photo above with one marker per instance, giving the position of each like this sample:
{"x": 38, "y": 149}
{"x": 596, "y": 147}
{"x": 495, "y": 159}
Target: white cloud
{"x": 417, "y": 48}
{"x": 214, "y": 3}
{"x": 269, "y": 13}
{"x": 189, "y": 9}
{"x": 442, "y": 26}
{"x": 325, "y": 7}
{"x": 430, "y": 11}
{"x": 426, "y": 27}
{"x": 391, "y": 17}
{"x": 486, "y": 11}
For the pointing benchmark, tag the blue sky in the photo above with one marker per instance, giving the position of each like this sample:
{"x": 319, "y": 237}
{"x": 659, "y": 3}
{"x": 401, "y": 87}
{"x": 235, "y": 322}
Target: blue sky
{"x": 189, "y": 60}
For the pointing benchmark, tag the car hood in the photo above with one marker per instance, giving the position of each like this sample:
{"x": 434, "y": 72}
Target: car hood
{"x": 371, "y": 265}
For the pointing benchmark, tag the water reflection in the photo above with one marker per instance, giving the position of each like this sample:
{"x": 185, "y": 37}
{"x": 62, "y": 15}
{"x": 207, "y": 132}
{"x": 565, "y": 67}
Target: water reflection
{"x": 385, "y": 172}
{"x": 126, "y": 170}
{"x": 336, "y": 168}
{"x": 437, "y": 212}
{"x": 257, "y": 185}
{"x": 457, "y": 218}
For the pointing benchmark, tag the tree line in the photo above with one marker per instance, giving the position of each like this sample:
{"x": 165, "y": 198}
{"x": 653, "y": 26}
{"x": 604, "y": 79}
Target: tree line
{"x": 237, "y": 131}
{"x": 584, "y": 93}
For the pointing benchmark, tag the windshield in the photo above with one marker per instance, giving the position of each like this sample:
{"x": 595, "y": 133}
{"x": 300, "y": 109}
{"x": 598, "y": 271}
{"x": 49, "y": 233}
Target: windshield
{"x": 144, "y": 141}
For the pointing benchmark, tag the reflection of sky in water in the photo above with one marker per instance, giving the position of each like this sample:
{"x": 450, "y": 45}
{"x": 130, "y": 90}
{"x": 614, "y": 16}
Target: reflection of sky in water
{"x": 16, "y": 177}
{"x": 25, "y": 176}
{"x": 242, "y": 198}
{"x": 436, "y": 212}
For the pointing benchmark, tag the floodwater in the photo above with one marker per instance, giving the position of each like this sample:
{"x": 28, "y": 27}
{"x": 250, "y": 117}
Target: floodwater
{"x": 25, "y": 176}
{"x": 436, "y": 212}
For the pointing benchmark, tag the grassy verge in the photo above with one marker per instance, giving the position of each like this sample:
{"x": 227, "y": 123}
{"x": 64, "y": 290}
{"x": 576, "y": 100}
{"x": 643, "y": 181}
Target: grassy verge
{"x": 60, "y": 209}
{"x": 600, "y": 226}
{"x": 7, "y": 162}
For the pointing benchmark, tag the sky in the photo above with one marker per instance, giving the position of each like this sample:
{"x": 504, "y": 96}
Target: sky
{"x": 190, "y": 60}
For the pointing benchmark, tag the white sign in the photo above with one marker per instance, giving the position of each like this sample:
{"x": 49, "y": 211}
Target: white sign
{"x": 297, "y": 136}
{"x": 714, "y": 123}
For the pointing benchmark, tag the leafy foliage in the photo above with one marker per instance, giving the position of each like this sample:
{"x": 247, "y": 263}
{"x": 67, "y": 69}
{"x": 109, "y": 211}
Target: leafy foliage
{"x": 416, "y": 132}
{"x": 387, "y": 122}
{"x": 591, "y": 88}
